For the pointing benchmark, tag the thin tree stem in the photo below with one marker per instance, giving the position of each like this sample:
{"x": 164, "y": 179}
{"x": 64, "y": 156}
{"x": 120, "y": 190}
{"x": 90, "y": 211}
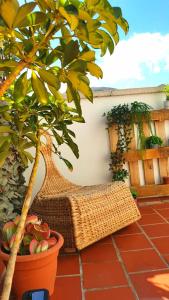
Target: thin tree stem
{"x": 27, "y": 202}
{"x": 6, "y": 84}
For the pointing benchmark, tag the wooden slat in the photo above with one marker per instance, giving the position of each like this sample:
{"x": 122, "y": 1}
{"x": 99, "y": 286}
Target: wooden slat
{"x": 152, "y": 190}
{"x": 162, "y": 154}
{"x": 147, "y": 154}
{"x": 160, "y": 115}
{"x": 148, "y": 164}
{"x": 163, "y": 162}
{"x": 133, "y": 165}
{"x": 113, "y": 137}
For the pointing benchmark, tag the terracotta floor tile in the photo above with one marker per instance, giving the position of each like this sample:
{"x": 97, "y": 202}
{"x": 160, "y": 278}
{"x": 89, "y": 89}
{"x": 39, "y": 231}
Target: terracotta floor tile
{"x": 146, "y": 210}
{"x": 67, "y": 288}
{"x": 161, "y": 205}
{"x": 132, "y": 242}
{"x": 150, "y": 219}
{"x": 162, "y": 244}
{"x": 103, "y": 274}
{"x": 152, "y": 285}
{"x": 133, "y": 228}
{"x": 157, "y": 230}
{"x": 68, "y": 264}
{"x": 98, "y": 252}
{"x": 110, "y": 294}
{"x": 106, "y": 240}
{"x": 164, "y": 212}
{"x": 142, "y": 260}
{"x": 166, "y": 257}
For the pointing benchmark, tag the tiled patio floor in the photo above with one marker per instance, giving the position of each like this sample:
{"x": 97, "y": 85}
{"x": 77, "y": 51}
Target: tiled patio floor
{"x": 130, "y": 264}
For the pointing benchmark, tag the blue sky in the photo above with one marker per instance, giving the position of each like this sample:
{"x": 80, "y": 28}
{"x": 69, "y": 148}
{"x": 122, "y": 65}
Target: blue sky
{"x": 142, "y": 57}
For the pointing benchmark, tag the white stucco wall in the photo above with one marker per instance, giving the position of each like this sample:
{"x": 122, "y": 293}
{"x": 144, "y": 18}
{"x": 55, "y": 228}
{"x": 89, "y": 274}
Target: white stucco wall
{"x": 92, "y": 167}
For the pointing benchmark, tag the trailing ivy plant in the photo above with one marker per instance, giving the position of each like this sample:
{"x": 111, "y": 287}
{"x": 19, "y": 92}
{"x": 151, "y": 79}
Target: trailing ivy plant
{"x": 124, "y": 116}
{"x": 46, "y": 43}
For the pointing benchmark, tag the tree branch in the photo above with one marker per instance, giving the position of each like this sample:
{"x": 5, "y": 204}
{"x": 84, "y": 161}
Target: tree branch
{"x": 11, "y": 263}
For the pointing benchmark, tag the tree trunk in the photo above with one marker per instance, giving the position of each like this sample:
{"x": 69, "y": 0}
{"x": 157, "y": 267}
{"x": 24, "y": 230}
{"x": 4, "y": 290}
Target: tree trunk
{"x": 27, "y": 202}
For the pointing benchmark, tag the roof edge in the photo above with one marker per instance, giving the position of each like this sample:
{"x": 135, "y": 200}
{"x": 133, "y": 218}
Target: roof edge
{"x": 124, "y": 92}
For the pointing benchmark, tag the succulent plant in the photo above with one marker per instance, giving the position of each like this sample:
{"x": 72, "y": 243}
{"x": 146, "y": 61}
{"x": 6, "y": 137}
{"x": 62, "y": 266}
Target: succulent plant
{"x": 12, "y": 187}
{"x": 37, "y": 236}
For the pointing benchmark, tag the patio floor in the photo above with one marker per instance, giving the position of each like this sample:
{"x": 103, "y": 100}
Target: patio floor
{"x": 130, "y": 264}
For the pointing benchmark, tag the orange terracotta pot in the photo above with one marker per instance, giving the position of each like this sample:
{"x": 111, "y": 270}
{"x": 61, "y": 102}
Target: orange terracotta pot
{"x": 35, "y": 271}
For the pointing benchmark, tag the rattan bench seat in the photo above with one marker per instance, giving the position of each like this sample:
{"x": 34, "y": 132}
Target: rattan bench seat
{"x": 82, "y": 214}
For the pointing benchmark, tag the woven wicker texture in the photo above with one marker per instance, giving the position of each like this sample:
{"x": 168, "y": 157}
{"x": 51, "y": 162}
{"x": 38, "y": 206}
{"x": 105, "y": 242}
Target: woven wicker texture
{"x": 83, "y": 215}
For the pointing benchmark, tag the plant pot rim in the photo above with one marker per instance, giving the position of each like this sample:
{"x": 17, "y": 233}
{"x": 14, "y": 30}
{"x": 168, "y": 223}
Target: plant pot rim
{"x": 41, "y": 255}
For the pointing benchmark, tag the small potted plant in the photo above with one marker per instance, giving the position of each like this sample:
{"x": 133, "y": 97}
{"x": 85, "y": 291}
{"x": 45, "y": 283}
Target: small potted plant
{"x": 166, "y": 91}
{"x": 134, "y": 194}
{"x": 36, "y": 262}
{"x": 153, "y": 141}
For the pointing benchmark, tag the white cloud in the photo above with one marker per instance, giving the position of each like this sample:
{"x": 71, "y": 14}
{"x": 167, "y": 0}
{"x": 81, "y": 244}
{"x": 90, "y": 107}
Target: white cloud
{"x": 133, "y": 59}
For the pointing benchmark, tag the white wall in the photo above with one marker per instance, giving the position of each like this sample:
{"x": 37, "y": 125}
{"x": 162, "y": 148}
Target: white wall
{"x": 92, "y": 167}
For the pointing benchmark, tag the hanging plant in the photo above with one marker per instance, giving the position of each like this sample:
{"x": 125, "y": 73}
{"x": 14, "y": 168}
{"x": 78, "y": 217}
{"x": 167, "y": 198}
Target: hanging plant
{"x": 140, "y": 112}
{"x": 124, "y": 116}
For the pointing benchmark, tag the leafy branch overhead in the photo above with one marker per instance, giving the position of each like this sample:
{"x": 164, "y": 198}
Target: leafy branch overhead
{"x": 46, "y": 43}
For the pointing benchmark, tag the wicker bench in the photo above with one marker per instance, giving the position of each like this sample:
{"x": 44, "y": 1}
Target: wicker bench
{"x": 83, "y": 215}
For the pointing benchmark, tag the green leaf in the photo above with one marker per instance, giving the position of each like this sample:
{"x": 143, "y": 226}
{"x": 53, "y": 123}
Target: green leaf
{"x": 6, "y": 129}
{"x": 52, "y": 57}
{"x": 94, "y": 70}
{"x": 4, "y": 108}
{"x": 49, "y": 77}
{"x": 31, "y": 136}
{"x": 34, "y": 19}
{"x": 85, "y": 89}
{"x": 68, "y": 164}
{"x": 58, "y": 138}
{"x": 8, "y": 11}
{"x": 78, "y": 65}
{"x": 3, "y": 157}
{"x": 22, "y": 13}
{"x": 58, "y": 96}
{"x": 39, "y": 89}
{"x": 71, "y": 133}
{"x": 72, "y": 146}
{"x": 21, "y": 87}
{"x": 71, "y": 52}
{"x": 28, "y": 155}
{"x": 72, "y": 94}
{"x": 88, "y": 56}
{"x": 8, "y": 64}
{"x": 4, "y": 139}
{"x": 71, "y": 9}
{"x": 117, "y": 12}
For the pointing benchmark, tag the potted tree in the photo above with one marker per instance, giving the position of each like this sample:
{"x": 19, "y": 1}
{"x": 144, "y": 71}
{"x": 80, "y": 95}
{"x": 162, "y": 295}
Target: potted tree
{"x": 36, "y": 263}
{"x": 55, "y": 42}
{"x": 153, "y": 141}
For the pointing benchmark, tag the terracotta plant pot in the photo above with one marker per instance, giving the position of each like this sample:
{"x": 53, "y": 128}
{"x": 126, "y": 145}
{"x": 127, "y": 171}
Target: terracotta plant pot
{"x": 166, "y": 179}
{"x": 35, "y": 271}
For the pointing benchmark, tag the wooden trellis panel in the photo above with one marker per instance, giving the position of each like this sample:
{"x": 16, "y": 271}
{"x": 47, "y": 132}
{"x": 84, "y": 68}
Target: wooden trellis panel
{"x": 133, "y": 156}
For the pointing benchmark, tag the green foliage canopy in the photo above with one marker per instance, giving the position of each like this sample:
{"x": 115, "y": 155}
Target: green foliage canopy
{"x": 45, "y": 43}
